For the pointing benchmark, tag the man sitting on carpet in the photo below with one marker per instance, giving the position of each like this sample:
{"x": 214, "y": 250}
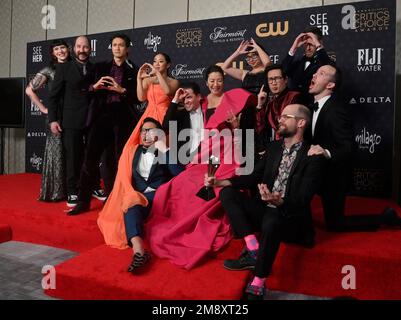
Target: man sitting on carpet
{"x": 287, "y": 179}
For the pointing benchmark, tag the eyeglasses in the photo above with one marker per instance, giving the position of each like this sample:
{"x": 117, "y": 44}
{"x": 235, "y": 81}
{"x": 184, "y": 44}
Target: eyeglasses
{"x": 275, "y": 79}
{"x": 145, "y": 130}
{"x": 287, "y": 116}
{"x": 252, "y": 57}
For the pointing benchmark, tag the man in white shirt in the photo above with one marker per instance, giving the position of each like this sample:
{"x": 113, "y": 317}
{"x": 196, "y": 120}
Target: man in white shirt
{"x": 184, "y": 122}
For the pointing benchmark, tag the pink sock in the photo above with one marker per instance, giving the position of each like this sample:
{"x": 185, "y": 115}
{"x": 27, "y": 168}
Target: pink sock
{"x": 258, "y": 282}
{"x": 251, "y": 242}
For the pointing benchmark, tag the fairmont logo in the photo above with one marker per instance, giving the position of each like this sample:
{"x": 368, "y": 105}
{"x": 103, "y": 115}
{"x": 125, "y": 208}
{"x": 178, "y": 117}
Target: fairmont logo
{"x": 370, "y": 100}
{"x": 220, "y": 34}
{"x": 180, "y": 71}
{"x": 152, "y": 41}
{"x": 37, "y": 54}
{"x": 369, "y": 59}
{"x": 36, "y": 161}
{"x": 264, "y": 30}
{"x": 367, "y": 140}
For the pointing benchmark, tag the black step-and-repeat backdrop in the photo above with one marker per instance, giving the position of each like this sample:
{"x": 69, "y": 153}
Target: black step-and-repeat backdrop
{"x": 359, "y": 36}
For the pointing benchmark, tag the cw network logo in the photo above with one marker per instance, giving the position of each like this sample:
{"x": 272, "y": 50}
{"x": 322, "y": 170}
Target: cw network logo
{"x": 151, "y": 42}
{"x": 369, "y": 59}
{"x": 264, "y": 30}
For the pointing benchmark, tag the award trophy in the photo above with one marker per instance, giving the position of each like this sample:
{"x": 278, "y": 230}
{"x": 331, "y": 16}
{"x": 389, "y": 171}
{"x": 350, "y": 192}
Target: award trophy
{"x": 207, "y": 193}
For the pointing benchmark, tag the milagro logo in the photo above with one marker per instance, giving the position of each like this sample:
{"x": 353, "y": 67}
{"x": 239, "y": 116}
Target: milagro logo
{"x": 221, "y": 34}
{"x": 264, "y": 30}
{"x": 365, "y": 20}
{"x": 370, "y": 59}
{"x": 37, "y": 54}
{"x": 368, "y": 140}
{"x": 36, "y": 162}
{"x": 152, "y": 41}
{"x": 181, "y": 71}
{"x": 320, "y": 20}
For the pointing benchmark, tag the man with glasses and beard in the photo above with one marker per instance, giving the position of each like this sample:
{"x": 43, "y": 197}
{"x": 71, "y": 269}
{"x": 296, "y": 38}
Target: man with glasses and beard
{"x": 287, "y": 179}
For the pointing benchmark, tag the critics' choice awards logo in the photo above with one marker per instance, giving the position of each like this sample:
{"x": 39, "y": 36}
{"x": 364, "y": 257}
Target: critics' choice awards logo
{"x": 181, "y": 71}
{"x": 152, "y": 41}
{"x": 36, "y": 162}
{"x": 37, "y": 54}
{"x": 273, "y": 29}
{"x": 370, "y": 59}
{"x": 368, "y": 140}
{"x": 365, "y": 20}
{"x": 185, "y": 38}
{"x": 221, "y": 34}
{"x": 320, "y": 20}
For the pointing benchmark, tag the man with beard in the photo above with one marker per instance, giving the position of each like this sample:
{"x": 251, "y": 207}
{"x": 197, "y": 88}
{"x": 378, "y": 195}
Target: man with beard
{"x": 287, "y": 179}
{"x": 112, "y": 119}
{"x": 70, "y": 93}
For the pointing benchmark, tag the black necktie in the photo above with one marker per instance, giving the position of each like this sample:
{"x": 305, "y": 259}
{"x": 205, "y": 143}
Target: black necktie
{"x": 315, "y": 106}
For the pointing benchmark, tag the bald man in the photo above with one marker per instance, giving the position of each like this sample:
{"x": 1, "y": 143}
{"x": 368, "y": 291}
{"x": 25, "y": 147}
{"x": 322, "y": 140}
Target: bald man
{"x": 287, "y": 180}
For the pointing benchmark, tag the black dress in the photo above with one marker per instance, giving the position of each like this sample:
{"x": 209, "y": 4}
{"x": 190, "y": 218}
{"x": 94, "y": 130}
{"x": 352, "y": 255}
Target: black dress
{"x": 53, "y": 186}
{"x": 254, "y": 81}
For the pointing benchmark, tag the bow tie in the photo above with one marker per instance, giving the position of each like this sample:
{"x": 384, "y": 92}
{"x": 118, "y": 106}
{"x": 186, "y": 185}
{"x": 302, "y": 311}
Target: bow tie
{"x": 149, "y": 150}
{"x": 308, "y": 59}
{"x": 315, "y": 106}
{"x": 145, "y": 150}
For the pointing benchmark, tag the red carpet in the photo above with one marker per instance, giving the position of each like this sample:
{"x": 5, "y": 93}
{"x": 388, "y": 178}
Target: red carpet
{"x": 5, "y": 233}
{"x": 375, "y": 256}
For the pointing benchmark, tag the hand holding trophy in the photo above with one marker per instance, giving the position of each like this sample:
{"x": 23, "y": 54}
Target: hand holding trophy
{"x": 207, "y": 193}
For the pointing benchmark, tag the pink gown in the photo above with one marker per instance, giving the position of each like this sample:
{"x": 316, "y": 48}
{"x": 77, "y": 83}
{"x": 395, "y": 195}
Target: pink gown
{"x": 183, "y": 227}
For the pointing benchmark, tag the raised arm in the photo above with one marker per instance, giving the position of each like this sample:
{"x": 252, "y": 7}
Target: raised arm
{"x": 227, "y": 66}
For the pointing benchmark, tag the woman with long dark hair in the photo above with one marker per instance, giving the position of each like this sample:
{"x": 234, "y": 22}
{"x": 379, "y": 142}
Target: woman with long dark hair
{"x": 53, "y": 179}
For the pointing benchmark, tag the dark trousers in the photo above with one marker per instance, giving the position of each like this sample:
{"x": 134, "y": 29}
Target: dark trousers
{"x": 135, "y": 216}
{"x": 248, "y": 215}
{"x": 108, "y": 135}
{"x": 333, "y": 197}
{"x": 73, "y": 144}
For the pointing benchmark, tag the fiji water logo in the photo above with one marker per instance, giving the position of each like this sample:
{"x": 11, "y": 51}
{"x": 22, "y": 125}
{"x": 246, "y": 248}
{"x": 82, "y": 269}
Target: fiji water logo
{"x": 367, "y": 140}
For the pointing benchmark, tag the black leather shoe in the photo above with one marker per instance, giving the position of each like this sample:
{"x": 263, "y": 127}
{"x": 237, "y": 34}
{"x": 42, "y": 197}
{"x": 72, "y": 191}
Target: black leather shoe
{"x": 139, "y": 261}
{"x": 389, "y": 217}
{"x": 81, "y": 207}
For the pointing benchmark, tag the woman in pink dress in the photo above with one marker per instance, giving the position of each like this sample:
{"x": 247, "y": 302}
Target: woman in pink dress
{"x": 185, "y": 228}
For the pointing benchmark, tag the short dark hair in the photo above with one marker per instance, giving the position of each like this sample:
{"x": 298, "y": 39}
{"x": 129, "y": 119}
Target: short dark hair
{"x": 304, "y": 113}
{"x": 165, "y": 55}
{"x": 213, "y": 68}
{"x": 83, "y": 36}
{"x": 276, "y": 67}
{"x": 191, "y": 85}
{"x": 338, "y": 76}
{"x": 154, "y": 121}
{"x": 123, "y": 36}
{"x": 315, "y": 30}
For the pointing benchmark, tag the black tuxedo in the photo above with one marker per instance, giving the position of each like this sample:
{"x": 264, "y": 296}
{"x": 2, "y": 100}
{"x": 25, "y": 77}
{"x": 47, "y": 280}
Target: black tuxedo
{"x": 70, "y": 92}
{"x": 111, "y": 123}
{"x": 333, "y": 131}
{"x": 292, "y": 220}
{"x": 299, "y": 77}
{"x": 182, "y": 118}
{"x": 159, "y": 174}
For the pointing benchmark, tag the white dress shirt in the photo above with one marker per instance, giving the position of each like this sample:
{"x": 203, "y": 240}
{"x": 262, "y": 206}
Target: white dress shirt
{"x": 197, "y": 127}
{"x": 144, "y": 165}
{"x": 315, "y": 116}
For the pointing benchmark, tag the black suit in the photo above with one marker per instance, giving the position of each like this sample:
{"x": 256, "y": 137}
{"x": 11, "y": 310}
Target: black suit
{"x": 70, "y": 92}
{"x": 159, "y": 174}
{"x": 333, "y": 131}
{"x": 181, "y": 117}
{"x": 111, "y": 123}
{"x": 292, "y": 220}
{"x": 299, "y": 77}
